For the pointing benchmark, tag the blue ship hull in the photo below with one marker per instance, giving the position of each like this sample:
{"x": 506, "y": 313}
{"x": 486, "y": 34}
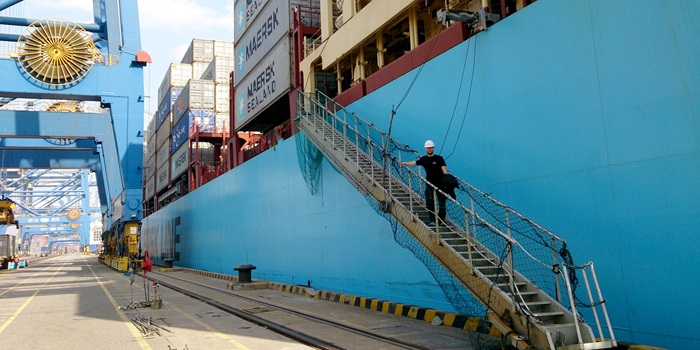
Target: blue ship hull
{"x": 583, "y": 116}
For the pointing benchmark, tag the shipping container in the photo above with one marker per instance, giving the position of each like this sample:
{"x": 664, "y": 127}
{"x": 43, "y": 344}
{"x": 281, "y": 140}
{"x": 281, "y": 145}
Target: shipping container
{"x": 206, "y": 153}
{"x": 163, "y": 154}
{"x": 150, "y": 187}
{"x": 149, "y": 149}
{"x": 180, "y": 160}
{"x": 222, "y": 122}
{"x": 195, "y": 120}
{"x": 163, "y": 176}
{"x": 198, "y": 120}
{"x": 197, "y": 94}
{"x": 151, "y": 130}
{"x": 178, "y": 74}
{"x": 223, "y": 49}
{"x": 150, "y": 167}
{"x": 201, "y": 120}
{"x": 167, "y": 103}
{"x": 260, "y": 89}
{"x": 181, "y": 132}
{"x": 199, "y": 51}
{"x": 253, "y": 50}
{"x": 221, "y": 94}
{"x": 219, "y": 70}
{"x": 163, "y": 132}
{"x": 198, "y": 68}
{"x": 248, "y": 15}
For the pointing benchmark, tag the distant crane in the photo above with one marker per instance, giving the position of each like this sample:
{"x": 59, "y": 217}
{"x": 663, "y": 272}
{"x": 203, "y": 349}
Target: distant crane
{"x": 98, "y": 65}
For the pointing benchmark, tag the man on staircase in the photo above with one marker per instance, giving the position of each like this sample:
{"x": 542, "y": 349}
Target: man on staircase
{"x": 435, "y": 168}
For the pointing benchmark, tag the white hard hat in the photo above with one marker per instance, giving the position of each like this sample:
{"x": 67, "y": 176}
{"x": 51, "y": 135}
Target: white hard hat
{"x": 429, "y": 143}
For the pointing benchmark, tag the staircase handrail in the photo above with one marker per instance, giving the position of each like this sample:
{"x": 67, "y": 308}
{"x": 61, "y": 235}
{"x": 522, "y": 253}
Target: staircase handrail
{"x": 333, "y": 116}
{"x": 340, "y": 122}
{"x": 406, "y": 148}
{"x": 495, "y": 201}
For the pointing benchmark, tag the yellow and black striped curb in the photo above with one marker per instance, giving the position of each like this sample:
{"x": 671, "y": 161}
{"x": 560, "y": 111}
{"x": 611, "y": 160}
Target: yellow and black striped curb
{"x": 642, "y": 347}
{"x": 216, "y": 275}
{"x": 470, "y": 323}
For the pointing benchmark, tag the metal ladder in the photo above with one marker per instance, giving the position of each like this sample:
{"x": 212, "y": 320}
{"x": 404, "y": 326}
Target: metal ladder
{"x": 527, "y": 315}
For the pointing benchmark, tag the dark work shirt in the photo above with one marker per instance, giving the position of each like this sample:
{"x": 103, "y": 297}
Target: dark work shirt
{"x": 433, "y": 168}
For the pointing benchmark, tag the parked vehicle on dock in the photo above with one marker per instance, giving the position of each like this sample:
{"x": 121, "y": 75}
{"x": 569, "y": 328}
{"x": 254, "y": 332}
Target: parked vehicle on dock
{"x": 8, "y": 251}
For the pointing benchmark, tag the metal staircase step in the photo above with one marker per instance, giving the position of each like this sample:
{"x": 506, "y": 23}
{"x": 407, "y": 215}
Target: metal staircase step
{"x": 478, "y": 262}
{"x": 507, "y": 285}
{"x": 529, "y": 294}
{"x": 460, "y": 248}
{"x": 537, "y": 304}
{"x": 453, "y": 235}
{"x": 454, "y": 241}
{"x": 492, "y": 269}
{"x": 550, "y": 314}
{"x": 499, "y": 277}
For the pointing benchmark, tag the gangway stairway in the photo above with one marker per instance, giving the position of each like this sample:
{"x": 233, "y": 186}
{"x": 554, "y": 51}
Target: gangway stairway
{"x": 528, "y": 315}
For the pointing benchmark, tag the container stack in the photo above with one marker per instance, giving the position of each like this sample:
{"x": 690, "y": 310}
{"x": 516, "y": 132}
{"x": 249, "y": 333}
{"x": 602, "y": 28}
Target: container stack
{"x": 149, "y": 160}
{"x": 158, "y": 145}
{"x": 193, "y": 105}
{"x": 218, "y": 71}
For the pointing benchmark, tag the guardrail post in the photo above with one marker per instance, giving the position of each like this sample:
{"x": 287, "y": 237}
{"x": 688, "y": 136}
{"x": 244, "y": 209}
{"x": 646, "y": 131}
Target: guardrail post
{"x": 345, "y": 133}
{"x": 593, "y": 304}
{"x": 469, "y": 240}
{"x": 357, "y": 143}
{"x": 602, "y": 304}
{"x": 511, "y": 269}
{"x": 471, "y": 200}
{"x": 371, "y": 159}
{"x": 557, "y": 286}
{"x": 410, "y": 191}
{"x": 388, "y": 171}
{"x": 435, "y": 212}
{"x": 572, "y": 302}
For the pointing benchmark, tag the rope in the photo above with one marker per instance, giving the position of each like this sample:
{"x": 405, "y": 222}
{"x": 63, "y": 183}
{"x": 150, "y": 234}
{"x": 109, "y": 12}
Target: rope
{"x": 469, "y": 97}
{"x": 420, "y": 69}
{"x": 459, "y": 92}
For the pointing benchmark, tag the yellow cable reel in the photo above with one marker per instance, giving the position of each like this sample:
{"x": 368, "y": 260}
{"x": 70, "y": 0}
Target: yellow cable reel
{"x": 56, "y": 52}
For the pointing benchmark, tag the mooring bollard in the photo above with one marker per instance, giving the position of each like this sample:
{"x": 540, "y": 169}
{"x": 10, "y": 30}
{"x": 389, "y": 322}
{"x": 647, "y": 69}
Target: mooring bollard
{"x": 244, "y": 273}
{"x": 168, "y": 262}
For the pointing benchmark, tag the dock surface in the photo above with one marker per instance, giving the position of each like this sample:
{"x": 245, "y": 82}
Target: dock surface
{"x": 73, "y": 301}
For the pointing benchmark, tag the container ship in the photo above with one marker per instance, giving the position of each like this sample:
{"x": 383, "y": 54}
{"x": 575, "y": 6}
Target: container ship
{"x": 572, "y": 127}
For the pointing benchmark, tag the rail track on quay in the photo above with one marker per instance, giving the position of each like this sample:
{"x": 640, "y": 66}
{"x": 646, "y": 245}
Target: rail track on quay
{"x": 312, "y": 329}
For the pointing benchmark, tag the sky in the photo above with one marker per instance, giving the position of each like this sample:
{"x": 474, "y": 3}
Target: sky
{"x": 167, "y": 28}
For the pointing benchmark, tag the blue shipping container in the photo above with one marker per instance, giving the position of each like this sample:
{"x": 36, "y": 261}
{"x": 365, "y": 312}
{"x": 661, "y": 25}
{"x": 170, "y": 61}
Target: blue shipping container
{"x": 167, "y": 104}
{"x": 205, "y": 119}
{"x": 181, "y": 131}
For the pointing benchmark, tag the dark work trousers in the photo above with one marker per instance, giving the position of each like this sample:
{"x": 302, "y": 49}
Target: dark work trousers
{"x": 430, "y": 203}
